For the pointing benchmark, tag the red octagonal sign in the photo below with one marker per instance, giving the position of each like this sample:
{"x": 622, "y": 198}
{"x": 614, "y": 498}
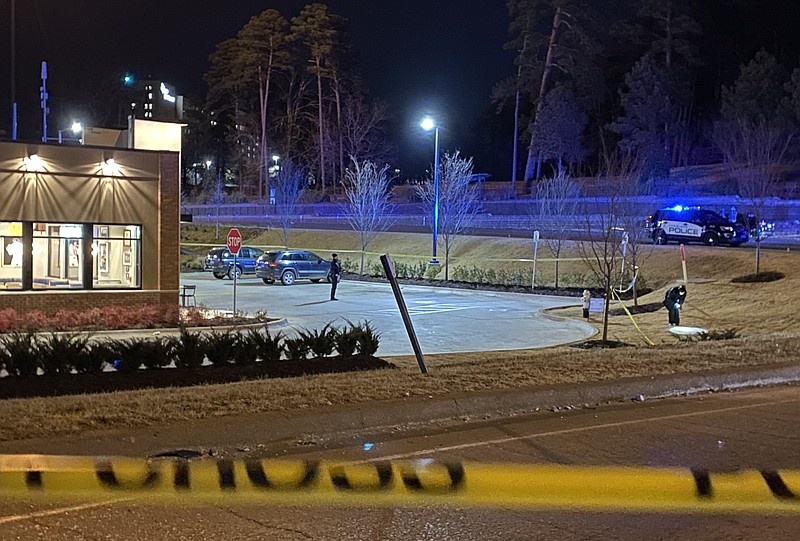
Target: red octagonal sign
{"x": 234, "y": 241}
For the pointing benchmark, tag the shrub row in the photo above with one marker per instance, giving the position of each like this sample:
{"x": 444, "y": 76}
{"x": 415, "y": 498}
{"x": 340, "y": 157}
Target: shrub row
{"x": 25, "y": 354}
{"x": 475, "y": 274}
{"x": 489, "y": 276}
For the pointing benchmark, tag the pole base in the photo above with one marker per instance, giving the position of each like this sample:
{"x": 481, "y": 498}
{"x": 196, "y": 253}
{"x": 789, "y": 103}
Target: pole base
{"x": 434, "y": 261}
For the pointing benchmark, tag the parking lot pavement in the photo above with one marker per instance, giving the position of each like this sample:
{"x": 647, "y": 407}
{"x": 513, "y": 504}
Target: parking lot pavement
{"x": 445, "y": 320}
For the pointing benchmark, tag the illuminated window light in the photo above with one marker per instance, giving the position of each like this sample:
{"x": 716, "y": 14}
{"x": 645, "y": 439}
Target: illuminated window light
{"x": 165, "y": 94}
{"x": 33, "y": 163}
{"x": 109, "y": 168}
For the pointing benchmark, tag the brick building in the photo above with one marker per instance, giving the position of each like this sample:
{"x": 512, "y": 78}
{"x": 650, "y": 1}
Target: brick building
{"x": 84, "y": 227}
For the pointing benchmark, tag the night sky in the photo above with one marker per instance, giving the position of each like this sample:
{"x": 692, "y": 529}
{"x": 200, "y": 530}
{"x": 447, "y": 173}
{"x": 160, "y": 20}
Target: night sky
{"x": 420, "y": 56}
{"x": 437, "y": 56}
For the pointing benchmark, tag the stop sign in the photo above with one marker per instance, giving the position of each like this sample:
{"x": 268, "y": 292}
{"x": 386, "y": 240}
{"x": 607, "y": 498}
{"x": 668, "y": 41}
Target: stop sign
{"x": 234, "y": 241}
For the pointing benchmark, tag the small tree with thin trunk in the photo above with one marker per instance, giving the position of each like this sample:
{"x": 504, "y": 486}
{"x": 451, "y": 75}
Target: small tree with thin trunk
{"x": 761, "y": 151}
{"x": 218, "y": 197}
{"x": 554, "y": 209}
{"x": 756, "y": 132}
{"x": 634, "y": 208}
{"x": 368, "y": 207}
{"x": 459, "y": 200}
{"x": 603, "y": 229}
{"x": 290, "y": 183}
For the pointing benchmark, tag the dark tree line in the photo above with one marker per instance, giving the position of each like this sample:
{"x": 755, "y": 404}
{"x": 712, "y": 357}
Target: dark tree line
{"x": 657, "y": 80}
{"x": 288, "y": 88}
{"x": 591, "y": 80}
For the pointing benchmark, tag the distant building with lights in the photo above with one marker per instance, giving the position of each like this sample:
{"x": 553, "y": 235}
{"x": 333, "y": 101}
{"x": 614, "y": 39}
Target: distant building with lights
{"x": 152, "y": 99}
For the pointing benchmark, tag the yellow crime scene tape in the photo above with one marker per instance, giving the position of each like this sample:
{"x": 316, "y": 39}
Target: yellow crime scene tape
{"x": 415, "y": 483}
{"x": 630, "y": 316}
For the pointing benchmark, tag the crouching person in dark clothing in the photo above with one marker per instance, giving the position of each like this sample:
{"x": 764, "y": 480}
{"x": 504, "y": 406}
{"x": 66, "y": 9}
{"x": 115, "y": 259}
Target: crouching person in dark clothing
{"x": 674, "y": 300}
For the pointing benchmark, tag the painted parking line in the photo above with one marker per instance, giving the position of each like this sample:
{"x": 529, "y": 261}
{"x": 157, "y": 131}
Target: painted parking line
{"x": 431, "y": 309}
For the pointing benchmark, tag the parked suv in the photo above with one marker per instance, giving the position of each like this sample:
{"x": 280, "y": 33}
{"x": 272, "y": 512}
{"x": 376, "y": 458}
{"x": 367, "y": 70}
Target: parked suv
{"x": 693, "y": 224}
{"x": 290, "y": 265}
{"x": 220, "y": 261}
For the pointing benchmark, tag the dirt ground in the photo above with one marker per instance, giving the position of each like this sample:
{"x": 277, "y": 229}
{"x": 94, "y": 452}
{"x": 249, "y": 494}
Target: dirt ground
{"x": 764, "y": 315}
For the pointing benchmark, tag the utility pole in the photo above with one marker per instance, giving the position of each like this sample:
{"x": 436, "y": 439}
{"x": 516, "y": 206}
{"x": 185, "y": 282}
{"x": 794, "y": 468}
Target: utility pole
{"x": 43, "y": 94}
{"x": 13, "y": 71}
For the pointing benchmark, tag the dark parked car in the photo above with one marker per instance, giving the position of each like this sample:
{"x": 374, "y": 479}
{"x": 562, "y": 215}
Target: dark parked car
{"x": 220, "y": 261}
{"x": 290, "y": 265}
{"x": 693, "y": 224}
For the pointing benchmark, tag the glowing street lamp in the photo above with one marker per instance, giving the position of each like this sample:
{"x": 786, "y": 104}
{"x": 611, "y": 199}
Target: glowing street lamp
{"x": 428, "y": 124}
{"x": 77, "y": 131}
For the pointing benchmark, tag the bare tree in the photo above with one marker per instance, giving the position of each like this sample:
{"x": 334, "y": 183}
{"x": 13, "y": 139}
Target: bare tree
{"x": 459, "y": 200}
{"x": 554, "y": 210}
{"x": 756, "y": 132}
{"x": 363, "y": 129}
{"x": 633, "y": 212}
{"x": 755, "y": 154}
{"x": 369, "y": 210}
{"x": 290, "y": 183}
{"x": 602, "y": 249}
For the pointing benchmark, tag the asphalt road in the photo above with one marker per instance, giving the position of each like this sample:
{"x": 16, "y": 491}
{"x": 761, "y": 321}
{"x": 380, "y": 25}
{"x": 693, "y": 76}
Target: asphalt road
{"x": 745, "y": 429}
{"x": 445, "y": 320}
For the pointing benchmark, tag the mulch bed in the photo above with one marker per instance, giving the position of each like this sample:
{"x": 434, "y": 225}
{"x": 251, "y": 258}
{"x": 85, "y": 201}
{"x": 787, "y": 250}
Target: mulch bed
{"x": 600, "y": 344}
{"x": 769, "y": 276}
{"x": 71, "y": 384}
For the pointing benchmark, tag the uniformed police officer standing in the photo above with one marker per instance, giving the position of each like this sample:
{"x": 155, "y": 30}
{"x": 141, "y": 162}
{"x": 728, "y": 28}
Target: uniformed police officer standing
{"x": 335, "y": 273}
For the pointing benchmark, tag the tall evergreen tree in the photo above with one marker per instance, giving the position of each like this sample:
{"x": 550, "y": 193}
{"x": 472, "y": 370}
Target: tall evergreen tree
{"x": 565, "y": 53}
{"x": 319, "y": 31}
{"x": 265, "y": 51}
{"x": 649, "y": 113}
{"x": 665, "y": 30}
{"x": 558, "y": 128}
{"x": 227, "y": 104}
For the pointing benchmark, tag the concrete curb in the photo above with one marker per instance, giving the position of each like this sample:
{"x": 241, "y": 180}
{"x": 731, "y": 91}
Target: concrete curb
{"x": 251, "y": 430}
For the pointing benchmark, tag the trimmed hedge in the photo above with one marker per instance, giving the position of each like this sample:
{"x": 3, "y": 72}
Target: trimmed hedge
{"x": 24, "y": 354}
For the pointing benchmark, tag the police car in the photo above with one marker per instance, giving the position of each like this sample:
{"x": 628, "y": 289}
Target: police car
{"x": 693, "y": 224}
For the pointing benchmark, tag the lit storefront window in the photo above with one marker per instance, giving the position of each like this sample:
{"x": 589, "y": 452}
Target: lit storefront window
{"x": 116, "y": 252}
{"x": 57, "y": 256}
{"x": 64, "y": 256}
{"x": 11, "y": 258}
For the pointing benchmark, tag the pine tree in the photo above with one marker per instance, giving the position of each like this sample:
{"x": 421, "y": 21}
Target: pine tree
{"x": 559, "y": 126}
{"x": 264, "y": 51}
{"x": 649, "y": 112}
{"x": 319, "y": 31}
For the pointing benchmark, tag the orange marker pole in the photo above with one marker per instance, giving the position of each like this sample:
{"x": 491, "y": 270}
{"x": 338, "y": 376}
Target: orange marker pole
{"x": 683, "y": 264}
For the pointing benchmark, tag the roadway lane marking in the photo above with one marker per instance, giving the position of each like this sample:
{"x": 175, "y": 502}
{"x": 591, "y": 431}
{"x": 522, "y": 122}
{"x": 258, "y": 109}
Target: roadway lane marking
{"x": 60, "y": 511}
{"x": 510, "y": 439}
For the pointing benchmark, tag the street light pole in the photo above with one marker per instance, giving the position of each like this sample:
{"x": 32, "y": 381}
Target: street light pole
{"x": 428, "y": 124}
{"x": 435, "y": 261}
{"x": 77, "y": 130}
{"x": 13, "y": 71}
